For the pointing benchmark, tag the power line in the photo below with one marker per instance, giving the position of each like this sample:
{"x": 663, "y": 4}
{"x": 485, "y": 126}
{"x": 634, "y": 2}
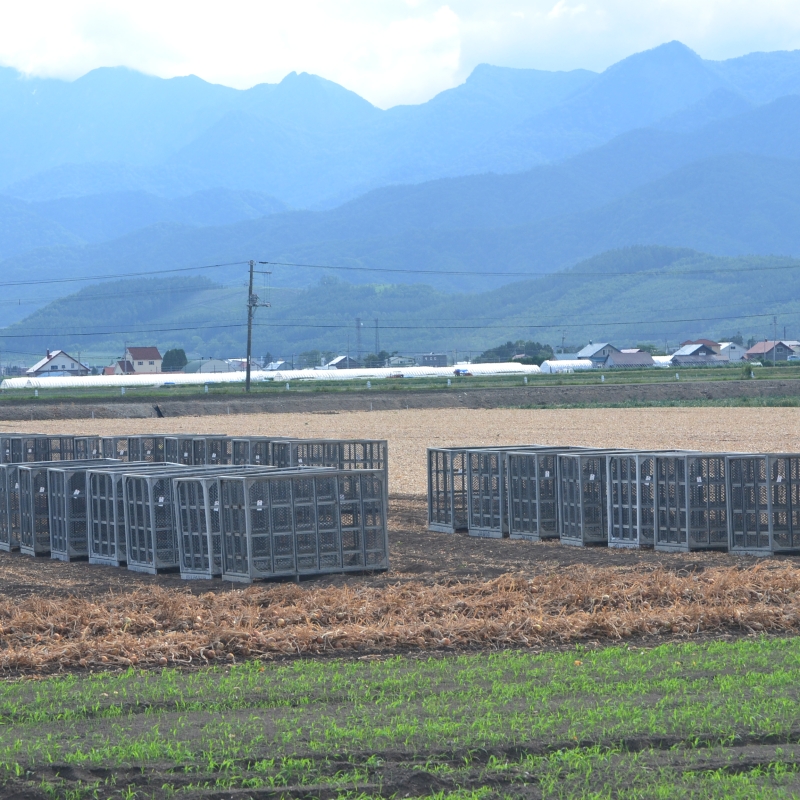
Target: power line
{"x": 118, "y": 275}
{"x": 565, "y": 273}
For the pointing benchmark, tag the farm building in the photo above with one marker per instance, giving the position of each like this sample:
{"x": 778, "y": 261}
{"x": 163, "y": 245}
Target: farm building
{"x": 709, "y": 343}
{"x": 209, "y": 365}
{"x": 731, "y": 351}
{"x": 696, "y": 355}
{"x": 770, "y": 350}
{"x": 343, "y": 362}
{"x": 597, "y": 353}
{"x": 434, "y": 360}
{"x": 57, "y": 363}
{"x": 635, "y": 360}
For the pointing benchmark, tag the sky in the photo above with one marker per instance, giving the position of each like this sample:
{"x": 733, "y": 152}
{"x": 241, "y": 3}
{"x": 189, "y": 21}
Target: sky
{"x": 388, "y": 51}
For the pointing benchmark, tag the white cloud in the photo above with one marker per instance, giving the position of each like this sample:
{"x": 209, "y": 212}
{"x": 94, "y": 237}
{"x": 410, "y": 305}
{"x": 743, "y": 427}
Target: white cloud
{"x": 390, "y": 51}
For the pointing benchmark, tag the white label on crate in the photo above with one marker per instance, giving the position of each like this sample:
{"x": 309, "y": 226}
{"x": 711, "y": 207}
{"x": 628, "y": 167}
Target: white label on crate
{"x": 258, "y": 458}
{"x": 647, "y": 477}
{"x": 161, "y": 501}
{"x": 547, "y": 473}
{"x": 699, "y": 479}
{"x": 213, "y": 455}
{"x": 29, "y": 450}
{"x": 147, "y": 452}
{"x": 259, "y": 503}
{"x": 76, "y": 493}
{"x": 299, "y": 460}
{"x": 779, "y": 478}
{"x": 591, "y": 476}
{"x": 41, "y": 490}
{"x": 94, "y": 452}
{"x": 186, "y": 455}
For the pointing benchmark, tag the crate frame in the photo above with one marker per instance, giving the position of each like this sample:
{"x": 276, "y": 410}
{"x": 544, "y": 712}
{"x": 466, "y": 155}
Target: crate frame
{"x": 532, "y": 490}
{"x": 447, "y": 489}
{"x": 341, "y": 525}
{"x": 763, "y": 503}
{"x": 9, "y": 507}
{"x": 632, "y": 498}
{"x": 583, "y": 497}
{"x": 252, "y": 450}
{"x": 151, "y": 543}
{"x": 688, "y": 502}
{"x": 68, "y": 510}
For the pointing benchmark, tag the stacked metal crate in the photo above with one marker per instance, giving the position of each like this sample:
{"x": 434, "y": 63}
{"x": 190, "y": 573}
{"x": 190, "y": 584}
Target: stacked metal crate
{"x": 447, "y": 489}
{"x": 306, "y": 523}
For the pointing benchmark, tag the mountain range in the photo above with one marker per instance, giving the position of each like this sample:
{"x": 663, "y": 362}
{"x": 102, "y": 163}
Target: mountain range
{"x": 513, "y": 174}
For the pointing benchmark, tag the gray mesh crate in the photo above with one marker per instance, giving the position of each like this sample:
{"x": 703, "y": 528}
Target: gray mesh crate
{"x": 106, "y": 510}
{"x": 116, "y": 447}
{"x": 631, "y": 499}
{"x": 447, "y": 489}
{"x": 150, "y": 527}
{"x": 532, "y": 480}
{"x": 488, "y": 489}
{"x": 313, "y": 522}
{"x": 764, "y": 503}
{"x": 146, "y": 448}
{"x": 9, "y": 507}
{"x": 87, "y": 448}
{"x": 252, "y": 450}
{"x": 336, "y": 453}
{"x": 583, "y": 499}
{"x": 34, "y": 507}
{"x": 67, "y": 508}
{"x": 219, "y": 450}
{"x": 179, "y": 450}
{"x": 14, "y": 447}
{"x": 691, "y": 502}
{"x": 198, "y": 520}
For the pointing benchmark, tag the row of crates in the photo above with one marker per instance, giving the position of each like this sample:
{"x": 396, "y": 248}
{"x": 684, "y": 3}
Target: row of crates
{"x": 197, "y": 450}
{"x": 321, "y": 509}
{"x": 668, "y": 500}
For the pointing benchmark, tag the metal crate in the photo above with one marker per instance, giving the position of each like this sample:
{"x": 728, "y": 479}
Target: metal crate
{"x": 116, "y": 447}
{"x": 583, "y": 500}
{"x": 691, "y": 502}
{"x": 67, "y": 508}
{"x": 14, "y": 446}
{"x": 150, "y": 527}
{"x": 314, "y": 522}
{"x": 219, "y": 450}
{"x": 146, "y": 448}
{"x": 106, "y": 510}
{"x": 253, "y": 450}
{"x": 336, "y": 453}
{"x": 764, "y": 503}
{"x": 197, "y": 516}
{"x": 631, "y": 499}
{"x": 532, "y": 478}
{"x": 9, "y": 507}
{"x": 87, "y": 448}
{"x": 447, "y": 489}
{"x": 34, "y": 507}
{"x": 179, "y": 450}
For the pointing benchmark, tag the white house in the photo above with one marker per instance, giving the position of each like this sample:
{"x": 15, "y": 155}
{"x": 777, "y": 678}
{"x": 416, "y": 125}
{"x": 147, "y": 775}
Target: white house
{"x": 732, "y": 351}
{"x": 58, "y": 363}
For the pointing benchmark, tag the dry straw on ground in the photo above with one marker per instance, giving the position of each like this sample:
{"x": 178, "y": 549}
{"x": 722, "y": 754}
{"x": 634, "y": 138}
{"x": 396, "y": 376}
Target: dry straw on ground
{"x": 410, "y": 432}
{"x": 161, "y": 627}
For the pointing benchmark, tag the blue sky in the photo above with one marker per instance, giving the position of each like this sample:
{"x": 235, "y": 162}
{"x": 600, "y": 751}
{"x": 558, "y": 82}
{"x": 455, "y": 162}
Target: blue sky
{"x": 389, "y": 51}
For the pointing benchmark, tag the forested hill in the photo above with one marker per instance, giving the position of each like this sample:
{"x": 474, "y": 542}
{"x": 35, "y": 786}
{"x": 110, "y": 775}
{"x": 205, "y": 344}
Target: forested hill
{"x": 628, "y": 296}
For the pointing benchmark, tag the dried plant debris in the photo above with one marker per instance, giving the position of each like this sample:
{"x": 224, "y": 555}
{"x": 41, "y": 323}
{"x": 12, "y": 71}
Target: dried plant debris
{"x": 171, "y": 627}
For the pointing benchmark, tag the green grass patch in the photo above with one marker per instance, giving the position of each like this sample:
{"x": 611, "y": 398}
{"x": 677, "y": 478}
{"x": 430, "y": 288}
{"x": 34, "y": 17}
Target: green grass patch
{"x": 714, "y": 720}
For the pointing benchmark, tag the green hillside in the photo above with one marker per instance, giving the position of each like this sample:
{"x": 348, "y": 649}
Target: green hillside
{"x": 629, "y": 296}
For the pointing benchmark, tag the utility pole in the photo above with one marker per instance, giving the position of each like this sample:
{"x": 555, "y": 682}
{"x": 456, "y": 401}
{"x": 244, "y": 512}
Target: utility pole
{"x": 252, "y": 304}
{"x": 775, "y": 339}
{"x": 358, "y": 339}
{"x": 377, "y": 338}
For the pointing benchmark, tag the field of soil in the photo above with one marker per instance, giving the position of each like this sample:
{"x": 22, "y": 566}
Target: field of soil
{"x": 308, "y": 699}
{"x": 423, "y": 564}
